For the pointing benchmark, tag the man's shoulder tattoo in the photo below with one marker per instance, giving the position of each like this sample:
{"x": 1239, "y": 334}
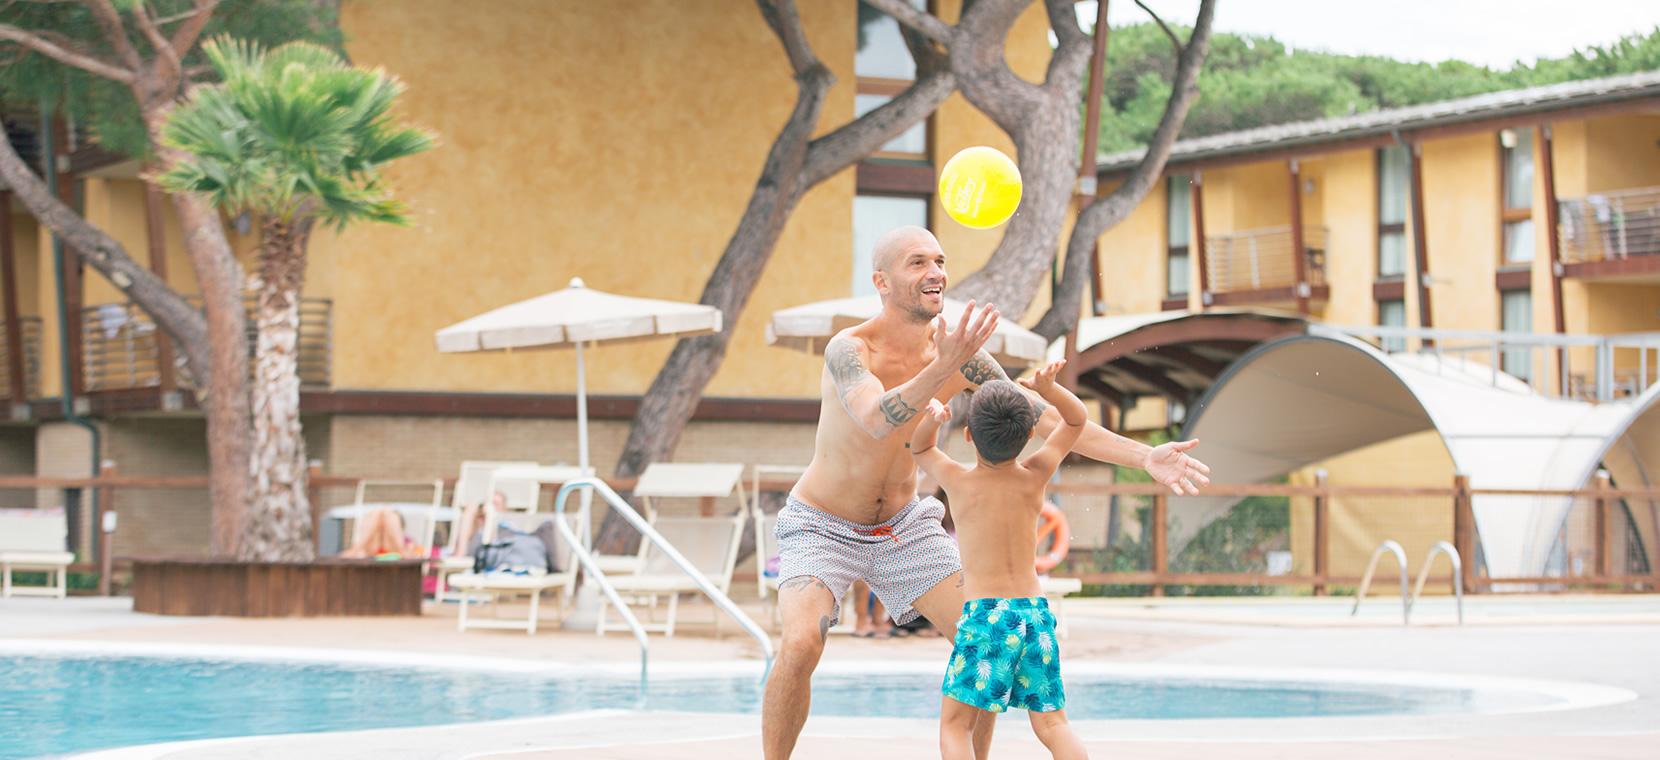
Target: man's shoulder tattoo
{"x": 981, "y": 369}
{"x": 841, "y": 356}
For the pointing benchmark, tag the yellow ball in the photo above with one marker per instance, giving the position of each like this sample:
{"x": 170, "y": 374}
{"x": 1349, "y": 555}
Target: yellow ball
{"x": 980, "y": 187}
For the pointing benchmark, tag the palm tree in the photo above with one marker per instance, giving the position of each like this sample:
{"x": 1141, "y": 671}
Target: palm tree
{"x": 295, "y": 136}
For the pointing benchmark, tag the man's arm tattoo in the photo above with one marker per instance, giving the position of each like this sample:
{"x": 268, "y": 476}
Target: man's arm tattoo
{"x": 895, "y": 410}
{"x": 846, "y": 368}
{"x": 981, "y": 369}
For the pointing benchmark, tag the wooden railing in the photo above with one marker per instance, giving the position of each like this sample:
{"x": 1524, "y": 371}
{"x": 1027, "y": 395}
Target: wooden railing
{"x": 121, "y": 346}
{"x": 1156, "y": 573}
{"x": 1456, "y": 499}
{"x": 1262, "y": 259}
{"x": 30, "y": 331}
{"x": 1609, "y": 226}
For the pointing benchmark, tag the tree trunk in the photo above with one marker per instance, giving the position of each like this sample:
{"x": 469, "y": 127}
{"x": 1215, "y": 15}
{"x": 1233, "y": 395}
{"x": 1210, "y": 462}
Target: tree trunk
{"x": 1105, "y": 212}
{"x": 222, "y": 381}
{"x": 1043, "y": 119}
{"x": 278, "y": 527}
{"x": 1048, "y": 161}
{"x": 795, "y": 164}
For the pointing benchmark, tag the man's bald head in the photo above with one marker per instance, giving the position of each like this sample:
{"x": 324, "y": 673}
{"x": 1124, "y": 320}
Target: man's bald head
{"x": 896, "y": 242}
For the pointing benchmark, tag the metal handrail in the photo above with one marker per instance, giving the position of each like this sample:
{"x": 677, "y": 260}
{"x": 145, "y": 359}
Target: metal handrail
{"x": 1441, "y": 547}
{"x": 648, "y": 533}
{"x": 1372, "y": 566}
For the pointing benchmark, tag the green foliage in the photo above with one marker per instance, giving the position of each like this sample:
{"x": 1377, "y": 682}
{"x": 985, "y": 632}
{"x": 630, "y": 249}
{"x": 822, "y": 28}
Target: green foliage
{"x": 1236, "y": 543}
{"x": 291, "y": 132}
{"x": 28, "y": 79}
{"x": 1250, "y": 81}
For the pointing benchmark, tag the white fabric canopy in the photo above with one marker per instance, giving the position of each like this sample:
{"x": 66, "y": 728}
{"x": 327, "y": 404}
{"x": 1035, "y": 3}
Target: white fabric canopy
{"x": 577, "y": 314}
{"x": 1299, "y": 401}
{"x": 810, "y": 326}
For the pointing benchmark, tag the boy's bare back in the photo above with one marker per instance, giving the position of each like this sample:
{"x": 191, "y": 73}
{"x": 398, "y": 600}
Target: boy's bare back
{"x": 995, "y": 505}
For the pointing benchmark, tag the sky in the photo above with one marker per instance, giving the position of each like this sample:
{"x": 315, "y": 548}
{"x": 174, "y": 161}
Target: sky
{"x": 1493, "y": 33}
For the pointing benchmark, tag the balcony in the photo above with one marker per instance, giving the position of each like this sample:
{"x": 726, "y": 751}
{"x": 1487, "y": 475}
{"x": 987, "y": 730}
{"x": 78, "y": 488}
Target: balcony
{"x": 30, "y": 331}
{"x": 1614, "y": 234}
{"x": 1258, "y": 266}
{"x": 120, "y": 346}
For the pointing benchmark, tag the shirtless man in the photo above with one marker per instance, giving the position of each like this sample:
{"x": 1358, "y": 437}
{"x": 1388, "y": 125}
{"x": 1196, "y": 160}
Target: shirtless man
{"x": 855, "y": 514}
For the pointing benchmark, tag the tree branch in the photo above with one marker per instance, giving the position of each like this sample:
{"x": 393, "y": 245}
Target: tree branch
{"x": 185, "y": 37}
{"x": 862, "y": 136}
{"x": 1072, "y": 48}
{"x": 924, "y": 23}
{"x": 786, "y": 23}
{"x": 1174, "y": 41}
{"x": 109, "y": 20}
{"x": 164, "y": 49}
{"x": 1112, "y": 209}
{"x": 981, "y": 64}
{"x": 171, "y": 312}
{"x": 79, "y": 59}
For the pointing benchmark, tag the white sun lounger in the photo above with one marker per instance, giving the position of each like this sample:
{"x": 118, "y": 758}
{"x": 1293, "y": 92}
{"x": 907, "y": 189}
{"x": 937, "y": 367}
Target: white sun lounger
{"x": 493, "y": 587}
{"x": 709, "y": 543}
{"x": 472, "y": 486}
{"x": 32, "y": 540}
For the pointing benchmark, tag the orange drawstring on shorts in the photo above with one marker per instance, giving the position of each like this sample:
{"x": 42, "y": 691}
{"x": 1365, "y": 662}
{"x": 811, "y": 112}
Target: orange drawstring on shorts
{"x": 884, "y": 530}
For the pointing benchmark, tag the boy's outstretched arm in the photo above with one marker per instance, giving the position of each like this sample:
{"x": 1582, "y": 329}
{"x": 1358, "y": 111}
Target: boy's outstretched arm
{"x": 1169, "y": 463}
{"x": 1072, "y": 413}
{"x": 925, "y": 445}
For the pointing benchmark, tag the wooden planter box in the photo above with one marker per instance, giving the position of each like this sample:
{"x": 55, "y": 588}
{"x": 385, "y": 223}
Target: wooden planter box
{"x": 206, "y": 586}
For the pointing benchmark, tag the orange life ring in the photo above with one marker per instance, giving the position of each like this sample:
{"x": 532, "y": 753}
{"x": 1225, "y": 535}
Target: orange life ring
{"x": 1053, "y": 523}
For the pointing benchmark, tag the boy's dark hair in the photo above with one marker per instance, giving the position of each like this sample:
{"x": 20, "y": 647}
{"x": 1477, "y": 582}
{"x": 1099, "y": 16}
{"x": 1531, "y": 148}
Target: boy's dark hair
{"x": 1000, "y": 419}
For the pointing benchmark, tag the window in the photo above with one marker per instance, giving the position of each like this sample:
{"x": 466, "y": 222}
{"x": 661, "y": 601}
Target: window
{"x": 1517, "y": 149}
{"x": 1392, "y": 314}
{"x": 874, "y": 215}
{"x": 1178, "y": 218}
{"x": 1394, "y": 188}
{"x": 1516, "y": 315}
{"x": 883, "y": 68}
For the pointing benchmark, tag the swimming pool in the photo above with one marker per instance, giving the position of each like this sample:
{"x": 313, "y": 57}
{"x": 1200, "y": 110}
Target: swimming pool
{"x": 57, "y": 703}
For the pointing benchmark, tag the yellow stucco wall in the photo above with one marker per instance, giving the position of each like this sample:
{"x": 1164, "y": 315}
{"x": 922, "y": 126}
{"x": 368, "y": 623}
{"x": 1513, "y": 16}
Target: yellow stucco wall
{"x": 1358, "y": 525}
{"x": 1247, "y": 197}
{"x": 1347, "y": 193}
{"x": 641, "y": 172}
{"x": 1461, "y": 216}
{"x": 1133, "y": 257}
{"x": 1623, "y": 152}
{"x": 26, "y": 260}
{"x": 636, "y": 145}
{"x": 46, "y": 295}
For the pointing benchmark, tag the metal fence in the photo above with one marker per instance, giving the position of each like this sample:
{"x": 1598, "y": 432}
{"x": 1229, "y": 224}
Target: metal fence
{"x": 1262, "y": 259}
{"x": 121, "y": 346}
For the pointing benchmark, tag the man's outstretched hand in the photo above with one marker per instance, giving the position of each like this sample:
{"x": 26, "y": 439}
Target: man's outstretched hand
{"x": 1170, "y": 465}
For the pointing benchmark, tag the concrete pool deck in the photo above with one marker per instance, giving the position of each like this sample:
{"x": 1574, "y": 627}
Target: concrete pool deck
{"x": 1605, "y": 640}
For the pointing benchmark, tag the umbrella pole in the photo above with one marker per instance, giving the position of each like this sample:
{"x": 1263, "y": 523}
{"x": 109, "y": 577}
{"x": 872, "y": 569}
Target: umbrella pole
{"x": 584, "y": 521}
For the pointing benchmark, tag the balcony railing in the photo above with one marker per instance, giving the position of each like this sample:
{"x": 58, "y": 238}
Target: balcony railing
{"x": 1262, "y": 259}
{"x": 1610, "y": 226}
{"x": 120, "y": 346}
{"x": 31, "y": 361}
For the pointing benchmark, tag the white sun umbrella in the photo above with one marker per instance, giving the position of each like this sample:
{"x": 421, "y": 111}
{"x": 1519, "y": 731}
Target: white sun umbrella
{"x": 810, "y": 326}
{"x": 570, "y": 318}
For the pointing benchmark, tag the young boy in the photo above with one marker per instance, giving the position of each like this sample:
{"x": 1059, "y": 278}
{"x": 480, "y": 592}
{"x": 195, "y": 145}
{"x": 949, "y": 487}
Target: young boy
{"x": 1005, "y": 653}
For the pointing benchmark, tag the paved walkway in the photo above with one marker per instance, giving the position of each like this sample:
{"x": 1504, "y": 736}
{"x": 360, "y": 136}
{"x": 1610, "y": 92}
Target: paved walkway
{"x": 1612, "y": 641}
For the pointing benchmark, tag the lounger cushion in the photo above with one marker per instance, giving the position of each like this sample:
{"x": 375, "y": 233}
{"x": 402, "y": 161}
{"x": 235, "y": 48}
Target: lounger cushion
{"x": 37, "y": 558}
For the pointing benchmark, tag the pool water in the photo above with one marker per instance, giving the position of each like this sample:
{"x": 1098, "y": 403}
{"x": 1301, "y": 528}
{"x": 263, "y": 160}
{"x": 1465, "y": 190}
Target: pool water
{"x": 52, "y": 705}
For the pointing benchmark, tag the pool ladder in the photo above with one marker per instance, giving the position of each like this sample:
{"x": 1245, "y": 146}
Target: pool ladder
{"x": 647, "y": 533}
{"x": 1407, "y": 602}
